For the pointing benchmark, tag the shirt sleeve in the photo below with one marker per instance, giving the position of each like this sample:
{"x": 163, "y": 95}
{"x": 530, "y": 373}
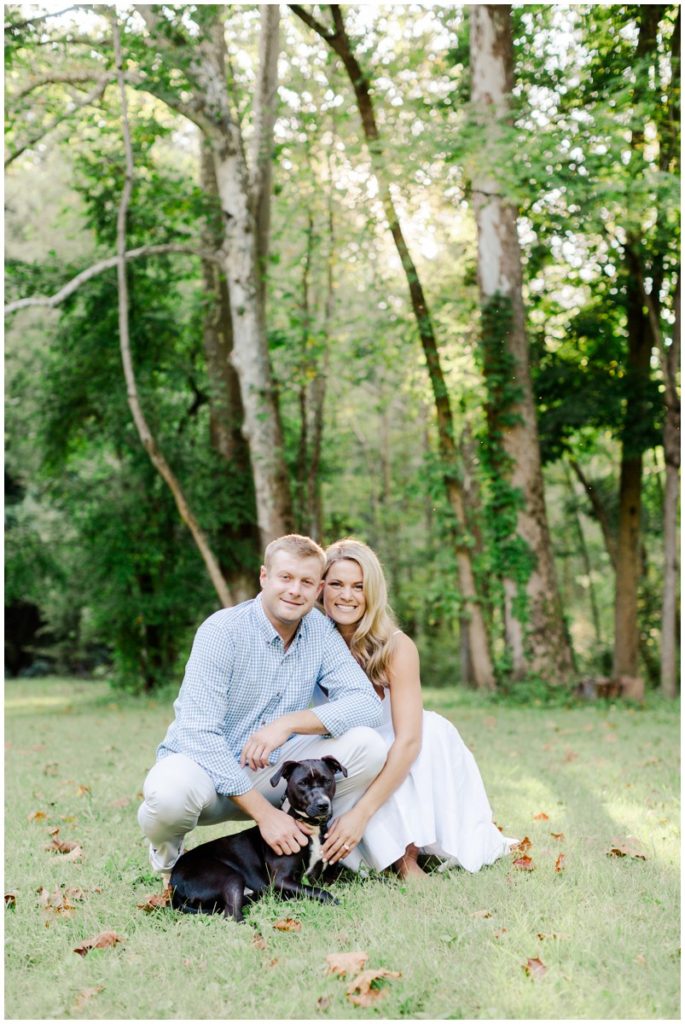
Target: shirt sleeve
{"x": 202, "y": 708}
{"x": 352, "y": 700}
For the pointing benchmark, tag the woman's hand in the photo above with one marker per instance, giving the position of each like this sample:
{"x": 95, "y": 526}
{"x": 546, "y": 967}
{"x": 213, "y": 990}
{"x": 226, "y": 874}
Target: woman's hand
{"x": 260, "y": 744}
{"x": 343, "y": 835}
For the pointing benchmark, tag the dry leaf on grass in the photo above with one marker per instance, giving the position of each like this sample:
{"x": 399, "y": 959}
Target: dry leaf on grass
{"x": 101, "y": 941}
{"x": 640, "y": 959}
{"x": 85, "y": 996}
{"x": 364, "y": 989}
{"x": 37, "y": 816}
{"x": 626, "y": 848}
{"x": 156, "y": 901}
{"x": 559, "y": 863}
{"x": 500, "y": 932}
{"x": 54, "y": 831}
{"x": 345, "y": 963}
{"x": 481, "y": 913}
{"x": 123, "y": 801}
{"x": 541, "y": 816}
{"x": 56, "y": 902}
{"x": 82, "y": 790}
{"x": 570, "y": 755}
{"x": 323, "y": 1002}
{"x": 288, "y": 924}
{"x": 10, "y": 900}
{"x": 550, "y": 935}
{"x": 524, "y": 864}
{"x": 559, "y": 836}
{"x": 258, "y": 941}
{"x": 534, "y": 967}
{"x": 523, "y": 846}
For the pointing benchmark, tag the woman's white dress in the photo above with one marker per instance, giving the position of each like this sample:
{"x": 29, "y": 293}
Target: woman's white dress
{"x": 441, "y": 807}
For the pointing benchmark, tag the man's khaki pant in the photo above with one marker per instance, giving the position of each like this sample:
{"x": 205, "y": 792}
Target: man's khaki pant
{"x": 178, "y": 794}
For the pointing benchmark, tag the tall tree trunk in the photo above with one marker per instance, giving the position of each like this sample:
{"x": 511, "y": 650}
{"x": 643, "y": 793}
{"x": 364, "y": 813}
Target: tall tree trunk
{"x": 244, "y": 191}
{"x": 339, "y": 41}
{"x": 626, "y": 661}
{"x": 225, "y": 405}
{"x": 585, "y": 557}
{"x": 534, "y": 624}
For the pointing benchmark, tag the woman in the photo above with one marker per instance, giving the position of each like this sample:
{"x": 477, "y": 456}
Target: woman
{"x": 429, "y": 797}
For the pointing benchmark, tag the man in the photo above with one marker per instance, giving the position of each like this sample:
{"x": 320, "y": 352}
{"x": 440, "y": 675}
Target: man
{"x": 243, "y": 709}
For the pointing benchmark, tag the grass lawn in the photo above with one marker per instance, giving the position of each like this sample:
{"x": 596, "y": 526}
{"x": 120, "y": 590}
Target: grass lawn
{"x": 605, "y": 927}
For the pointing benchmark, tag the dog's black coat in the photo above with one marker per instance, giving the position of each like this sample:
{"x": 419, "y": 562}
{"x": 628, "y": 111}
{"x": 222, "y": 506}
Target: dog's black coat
{"x": 218, "y": 877}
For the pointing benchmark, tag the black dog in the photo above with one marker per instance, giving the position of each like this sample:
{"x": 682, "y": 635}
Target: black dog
{"x": 217, "y": 877}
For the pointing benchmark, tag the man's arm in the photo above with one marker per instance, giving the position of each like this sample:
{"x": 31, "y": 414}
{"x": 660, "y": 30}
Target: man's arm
{"x": 352, "y": 700}
{"x": 282, "y": 832}
{"x": 261, "y": 743}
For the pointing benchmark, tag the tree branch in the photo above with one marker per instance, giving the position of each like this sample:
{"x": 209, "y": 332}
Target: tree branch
{"x": 311, "y": 21}
{"x": 68, "y": 78}
{"x": 92, "y": 96}
{"x": 264, "y": 118}
{"x": 99, "y": 268}
{"x": 14, "y": 25}
{"x": 599, "y": 511}
{"x": 146, "y": 437}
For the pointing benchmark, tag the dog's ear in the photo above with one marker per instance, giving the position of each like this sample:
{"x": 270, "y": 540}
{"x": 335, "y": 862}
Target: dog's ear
{"x": 335, "y": 765}
{"x": 285, "y": 771}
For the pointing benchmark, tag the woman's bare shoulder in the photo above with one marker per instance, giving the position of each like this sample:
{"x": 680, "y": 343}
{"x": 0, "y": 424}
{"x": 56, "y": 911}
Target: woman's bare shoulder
{"x": 403, "y": 646}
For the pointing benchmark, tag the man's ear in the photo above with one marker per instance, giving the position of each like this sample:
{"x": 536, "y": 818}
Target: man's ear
{"x": 262, "y": 576}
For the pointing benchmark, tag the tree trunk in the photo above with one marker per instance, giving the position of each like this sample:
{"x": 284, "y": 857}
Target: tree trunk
{"x": 600, "y": 512}
{"x": 339, "y": 41}
{"x": 244, "y": 194}
{"x": 225, "y": 405}
{"x": 535, "y": 629}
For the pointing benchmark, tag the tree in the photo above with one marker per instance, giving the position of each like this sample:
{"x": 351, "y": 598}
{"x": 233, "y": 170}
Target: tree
{"x": 535, "y": 631}
{"x": 338, "y": 39}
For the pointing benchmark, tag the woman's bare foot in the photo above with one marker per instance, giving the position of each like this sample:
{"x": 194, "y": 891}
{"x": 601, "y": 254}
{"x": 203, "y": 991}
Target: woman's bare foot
{"x": 407, "y": 866}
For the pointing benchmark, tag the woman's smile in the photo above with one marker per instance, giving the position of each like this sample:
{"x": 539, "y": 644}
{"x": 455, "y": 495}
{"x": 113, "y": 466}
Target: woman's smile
{"x": 343, "y": 593}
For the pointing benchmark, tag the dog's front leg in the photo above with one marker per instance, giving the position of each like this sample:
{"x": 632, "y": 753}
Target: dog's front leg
{"x": 234, "y": 898}
{"x": 290, "y": 890}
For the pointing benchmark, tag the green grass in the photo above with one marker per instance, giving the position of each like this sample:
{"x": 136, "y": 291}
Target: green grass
{"x": 610, "y": 925}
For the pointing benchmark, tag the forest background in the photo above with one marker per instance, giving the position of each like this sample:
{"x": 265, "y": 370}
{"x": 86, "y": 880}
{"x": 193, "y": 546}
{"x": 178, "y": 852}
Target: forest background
{"x": 404, "y": 272}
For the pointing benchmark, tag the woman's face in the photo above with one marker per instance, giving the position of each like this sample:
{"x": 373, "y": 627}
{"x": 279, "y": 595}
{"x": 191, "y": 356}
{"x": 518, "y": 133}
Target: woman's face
{"x": 343, "y": 592}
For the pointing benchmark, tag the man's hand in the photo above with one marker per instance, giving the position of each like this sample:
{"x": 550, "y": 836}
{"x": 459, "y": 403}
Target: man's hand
{"x": 260, "y": 744}
{"x": 282, "y": 832}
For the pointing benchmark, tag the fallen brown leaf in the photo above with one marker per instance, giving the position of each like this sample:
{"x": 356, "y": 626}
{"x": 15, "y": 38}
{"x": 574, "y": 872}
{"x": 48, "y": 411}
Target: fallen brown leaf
{"x": 56, "y": 902}
{"x": 641, "y": 959}
{"x": 37, "y": 816}
{"x": 101, "y": 941}
{"x": 288, "y": 924}
{"x": 558, "y": 836}
{"x": 54, "y": 831}
{"x": 500, "y": 932}
{"x": 258, "y": 941}
{"x": 541, "y": 816}
{"x": 10, "y": 900}
{"x": 85, "y": 996}
{"x": 156, "y": 901}
{"x": 364, "y": 990}
{"x": 524, "y": 845}
{"x": 323, "y": 1002}
{"x": 82, "y": 790}
{"x": 524, "y": 864}
{"x": 123, "y": 801}
{"x": 534, "y": 967}
{"x": 61, "y": 846}
{"x": 550, "y": 935}
{"x": 51, "y": 768}
{"x": 481, "y": 913}
{"x": 626, "y": 848}
{"x": 345, "y": 963}
{"x": 570, "y": 755}
{"x": 559, "y": 863}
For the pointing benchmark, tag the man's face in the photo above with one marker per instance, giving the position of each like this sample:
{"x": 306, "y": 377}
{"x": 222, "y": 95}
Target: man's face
{"x": 289, "y": 588}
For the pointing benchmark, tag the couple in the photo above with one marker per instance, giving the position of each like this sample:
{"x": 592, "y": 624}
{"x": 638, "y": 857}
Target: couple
{"x": 245, "y": 707}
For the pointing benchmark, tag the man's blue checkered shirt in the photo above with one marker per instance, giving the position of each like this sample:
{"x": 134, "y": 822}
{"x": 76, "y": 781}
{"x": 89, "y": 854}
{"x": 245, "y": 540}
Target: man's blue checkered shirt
{"x": 239, "y": 677}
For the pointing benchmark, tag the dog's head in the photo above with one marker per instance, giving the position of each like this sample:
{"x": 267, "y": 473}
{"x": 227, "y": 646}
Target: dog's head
{"x": 311, "y": 786}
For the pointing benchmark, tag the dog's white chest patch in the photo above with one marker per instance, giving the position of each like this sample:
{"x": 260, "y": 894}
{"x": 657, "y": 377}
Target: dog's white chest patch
{"x": 314, "y": 851}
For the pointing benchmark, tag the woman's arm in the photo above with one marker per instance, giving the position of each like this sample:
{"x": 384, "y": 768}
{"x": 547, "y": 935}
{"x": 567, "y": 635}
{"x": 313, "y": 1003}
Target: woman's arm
{"x": 407, "y": 719}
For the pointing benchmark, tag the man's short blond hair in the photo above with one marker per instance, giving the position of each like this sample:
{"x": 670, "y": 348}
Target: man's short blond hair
{"x": 297, "y": 545}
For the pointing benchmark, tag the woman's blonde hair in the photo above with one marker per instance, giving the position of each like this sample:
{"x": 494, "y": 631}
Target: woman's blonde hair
{"x": 371, "y": 642}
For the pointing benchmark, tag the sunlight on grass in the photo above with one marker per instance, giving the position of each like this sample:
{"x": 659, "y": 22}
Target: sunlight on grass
{"x": 606, "y": 928}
